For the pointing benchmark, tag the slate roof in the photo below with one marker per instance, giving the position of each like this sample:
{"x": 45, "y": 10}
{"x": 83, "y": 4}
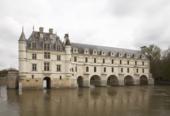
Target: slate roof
{"x": 22, "y": 37}
{"x": 52, "y": 39}
{"x": 105, "y": 49}
{"x": 42, "y": 38}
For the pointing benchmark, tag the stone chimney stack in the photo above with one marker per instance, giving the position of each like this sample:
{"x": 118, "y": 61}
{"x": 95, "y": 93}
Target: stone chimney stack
{"x": 66, "y": 36}
{"x": 41, "y": 29}
{"x": 50, "y": 30}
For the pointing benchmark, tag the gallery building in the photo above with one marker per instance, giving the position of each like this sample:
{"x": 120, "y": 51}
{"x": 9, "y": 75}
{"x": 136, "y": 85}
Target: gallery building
{"x": 45, "y": 61}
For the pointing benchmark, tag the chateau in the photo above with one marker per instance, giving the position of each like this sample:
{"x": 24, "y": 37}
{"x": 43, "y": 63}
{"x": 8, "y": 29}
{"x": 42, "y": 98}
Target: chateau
{"x": 47, "y": 62}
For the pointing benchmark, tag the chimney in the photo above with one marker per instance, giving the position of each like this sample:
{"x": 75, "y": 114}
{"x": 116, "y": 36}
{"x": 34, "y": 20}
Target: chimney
{"x": 66, "y": 36}
{"x": 50, "y": 30}
{"x": 41, "y": 29}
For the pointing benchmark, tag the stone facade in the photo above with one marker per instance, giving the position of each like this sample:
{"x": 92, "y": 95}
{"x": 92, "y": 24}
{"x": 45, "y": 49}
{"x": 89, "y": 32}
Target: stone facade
{"x": 46, "y": 61}
{"x": 12, "y": 79}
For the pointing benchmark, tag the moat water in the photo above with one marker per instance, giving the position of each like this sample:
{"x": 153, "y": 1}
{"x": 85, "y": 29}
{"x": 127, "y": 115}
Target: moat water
{"x": 108, "y": 101}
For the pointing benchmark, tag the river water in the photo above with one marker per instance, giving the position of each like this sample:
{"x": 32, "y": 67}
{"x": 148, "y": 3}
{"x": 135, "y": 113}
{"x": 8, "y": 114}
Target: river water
{"x": 108, "y": 101}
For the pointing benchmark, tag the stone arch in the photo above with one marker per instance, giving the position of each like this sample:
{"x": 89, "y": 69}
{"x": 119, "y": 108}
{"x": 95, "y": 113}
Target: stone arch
{"x": 80, "y": 81}
{"x": 112, "y": 80}
{"x": 95, "y": 80}
{"x": 143, "y": 80}
{"x": 128, "y": 80}
{"x": 47, "y": 83}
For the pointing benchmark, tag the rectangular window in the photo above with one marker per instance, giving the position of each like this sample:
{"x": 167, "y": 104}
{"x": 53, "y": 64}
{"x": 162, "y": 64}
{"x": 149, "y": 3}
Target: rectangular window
{"x": 34, "y": 56}
{"x": 87, "y": 69}
{"x": 135, "y": 62}
{"x": 75, "y": 59}
{"x": 58, "y": 58}
{"x": 58, "y": 68}
{"x": 120, "y": 61}
{"x": 34, "y": 67}
{"x": 143, "y": 63}
{"x": 137, "y": 70}
{"x": 33, "y": 45}
{"x": 76, "y": 69}
{"x": 121, "y": 69}
{"x": 58, "y": 48}
{"x": 94, "y": 60}
{"x": 86, "y": 59}
{"x": 47, "y": 46}
{"x": 112, "y": 61}
{"x": 47, "y": 55}
{"x": 104, "y": 69}
{"x": 127, "y": 70}
{"x": 46, "y": 66}
{"x": 95, "y": 69}
{"x": 128, "y": 62}
{"x": 103, "y": 60}
{"x": 112, "y": 69}
{"x": 143, "y": 70}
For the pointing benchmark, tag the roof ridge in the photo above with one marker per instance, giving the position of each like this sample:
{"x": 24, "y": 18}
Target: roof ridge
{"x": 105, "y": 46}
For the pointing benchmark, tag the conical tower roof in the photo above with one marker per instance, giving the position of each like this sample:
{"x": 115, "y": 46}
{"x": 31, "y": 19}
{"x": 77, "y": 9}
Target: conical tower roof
{"x": 22, "y": 36}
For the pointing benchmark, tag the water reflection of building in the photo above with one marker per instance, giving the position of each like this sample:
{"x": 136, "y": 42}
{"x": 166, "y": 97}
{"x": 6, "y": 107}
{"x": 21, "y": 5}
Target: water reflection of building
{"x": 3, "y": 93}
{"x": 74, "y": 102}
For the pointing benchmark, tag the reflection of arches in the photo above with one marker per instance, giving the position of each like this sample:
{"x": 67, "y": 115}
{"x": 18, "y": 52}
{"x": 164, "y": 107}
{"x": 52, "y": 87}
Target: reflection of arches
{"x": 95, "y": 93}
{"x": 80, "y": 81}
{"x": 47, "y": 83}
{"x": 95, "y": 80}
{"x": 143, "y": 80}
{"x": 112, "y": 80}
{"x": 112, "y": 91}
{"x": 128, "y": 80}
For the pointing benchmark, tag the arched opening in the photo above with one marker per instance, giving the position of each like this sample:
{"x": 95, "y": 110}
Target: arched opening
{"x": 112, "y": 81}
{"x": 95, "y": 81}
{"x": 80, "y": 81}
{"x": 47, "y": 83}
{"x": 128, "y": 80}
{"x": 143, "y": 80}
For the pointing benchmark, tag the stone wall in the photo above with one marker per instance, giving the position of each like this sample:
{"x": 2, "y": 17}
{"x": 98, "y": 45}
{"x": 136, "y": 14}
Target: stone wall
{"x": 2, "y": 80}
{"x": 12, "y": 79}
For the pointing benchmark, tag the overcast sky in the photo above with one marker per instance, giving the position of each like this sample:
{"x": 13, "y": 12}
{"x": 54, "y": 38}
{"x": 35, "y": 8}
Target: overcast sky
{"x": 118, "y": 23}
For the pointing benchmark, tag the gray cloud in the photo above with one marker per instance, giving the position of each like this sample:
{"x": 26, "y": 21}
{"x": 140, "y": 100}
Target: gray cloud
{"x": 154, "y": 19}
{"x": 118, "y": 23}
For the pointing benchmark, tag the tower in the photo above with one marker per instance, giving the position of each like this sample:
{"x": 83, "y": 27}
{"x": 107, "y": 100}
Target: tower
{"x": 22, "y": 53}
{"x": 68, "y": 55}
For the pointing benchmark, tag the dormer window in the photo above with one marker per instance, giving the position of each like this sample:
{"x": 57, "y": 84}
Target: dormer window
{"x": 33, "y": 45}
{"x": 75, "y": 50}
{"x": 112, "y": 54}
{"x": 47, "y": 46}
{"x": 120, "y": 55}
{"x": 143, "y": 56}
{"x": 86, "y": 51}
{"x": 58, "y": 48}
{"x": 94, "y": 52}
{"x": 102, "y": 53}
{"x": 128, "y": 55}
{"x": 136, "y": 56}
{"x": 133, "y": 55}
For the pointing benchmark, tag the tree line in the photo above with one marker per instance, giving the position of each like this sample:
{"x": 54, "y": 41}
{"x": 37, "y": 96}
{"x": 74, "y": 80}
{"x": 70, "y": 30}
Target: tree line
{"x": 159, "y": 64}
